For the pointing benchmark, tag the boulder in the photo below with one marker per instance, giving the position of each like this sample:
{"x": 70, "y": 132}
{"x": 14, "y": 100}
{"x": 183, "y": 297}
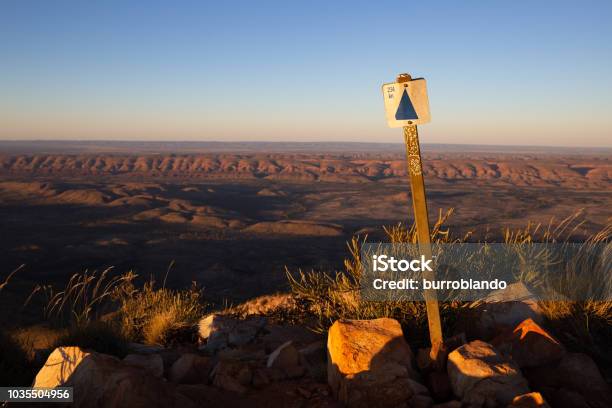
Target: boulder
{"x": 529, "y": 345}
{"x": 152, "y": 363}
{"x": 103, "y": 381}
{"x": 578, "y": 372}
{"x": 506, "y": 308}
{"x": 370, "y": 363}
{"x": 219, "y": 331}
{"x": 190, "y": 368}
{"x": 61, "y": 364}
{"x": 529, "y": 400}
{"x": 481, "y": 376}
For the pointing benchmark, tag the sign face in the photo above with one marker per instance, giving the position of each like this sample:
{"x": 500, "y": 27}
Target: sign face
{"x": 406, "y": 103}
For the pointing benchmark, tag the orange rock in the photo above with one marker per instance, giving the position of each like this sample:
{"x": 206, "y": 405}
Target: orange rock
{"x": 529, "y": 345}
{"x": 530, "y": 400}
{"x": 481, "y": 376}
{"x": 370, "y": 363}
{"x": 104, "y": 381}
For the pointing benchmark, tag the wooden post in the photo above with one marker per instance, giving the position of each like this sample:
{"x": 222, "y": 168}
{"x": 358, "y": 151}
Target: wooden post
{"x": 419, "y": 205}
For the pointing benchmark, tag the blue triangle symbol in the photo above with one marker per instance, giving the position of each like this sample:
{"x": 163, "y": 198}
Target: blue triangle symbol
{"x": 405, "y": 110}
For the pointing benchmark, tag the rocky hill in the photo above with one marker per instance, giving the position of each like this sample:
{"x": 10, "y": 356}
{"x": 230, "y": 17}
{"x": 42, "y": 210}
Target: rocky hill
{"x": 579, "y": 172}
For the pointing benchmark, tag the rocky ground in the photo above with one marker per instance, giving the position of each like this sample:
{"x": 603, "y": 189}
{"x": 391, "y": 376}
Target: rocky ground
{"x": 253, "y": 361}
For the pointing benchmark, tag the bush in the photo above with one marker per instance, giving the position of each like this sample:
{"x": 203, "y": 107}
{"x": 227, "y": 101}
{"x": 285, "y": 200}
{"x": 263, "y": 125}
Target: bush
{"x": 147, "y": 314}
{"x": 159, "y": 316}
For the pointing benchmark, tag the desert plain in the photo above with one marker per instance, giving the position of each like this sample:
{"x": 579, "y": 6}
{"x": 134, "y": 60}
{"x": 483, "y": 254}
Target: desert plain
{"x": 232, "y": 217}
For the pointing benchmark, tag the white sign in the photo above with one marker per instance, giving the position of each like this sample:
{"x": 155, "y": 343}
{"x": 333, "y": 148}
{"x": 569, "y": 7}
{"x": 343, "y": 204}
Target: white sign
{"x": 406, "y": 103}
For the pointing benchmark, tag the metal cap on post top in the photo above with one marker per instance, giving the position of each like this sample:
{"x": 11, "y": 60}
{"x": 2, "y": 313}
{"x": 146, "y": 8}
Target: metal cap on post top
{"x": 401, "y": 78}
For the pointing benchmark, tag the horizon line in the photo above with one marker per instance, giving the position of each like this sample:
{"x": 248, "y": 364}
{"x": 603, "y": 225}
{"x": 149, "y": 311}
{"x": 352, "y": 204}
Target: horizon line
{"x": 339, "y": 142}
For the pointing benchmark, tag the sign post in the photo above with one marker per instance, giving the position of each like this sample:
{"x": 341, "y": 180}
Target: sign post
{"x": 406, "y": 105}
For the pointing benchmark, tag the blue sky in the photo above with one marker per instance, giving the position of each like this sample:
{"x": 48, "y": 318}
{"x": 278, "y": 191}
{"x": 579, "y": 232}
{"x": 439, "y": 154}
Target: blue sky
{"x": 521, "y": 72}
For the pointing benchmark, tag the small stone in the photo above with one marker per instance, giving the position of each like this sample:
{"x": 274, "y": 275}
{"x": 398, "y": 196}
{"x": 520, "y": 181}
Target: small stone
{"x": 529, "y": 400}
{"x": 219, "y": 331}
{"x": 285, "y": 356}
{"x": 232, "y": 376}
{"x": 190, "y": 369}
{"x": 153, "y": 363}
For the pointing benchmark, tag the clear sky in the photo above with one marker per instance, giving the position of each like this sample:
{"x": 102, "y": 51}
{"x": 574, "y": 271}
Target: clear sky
{"x": 499, "y": 72}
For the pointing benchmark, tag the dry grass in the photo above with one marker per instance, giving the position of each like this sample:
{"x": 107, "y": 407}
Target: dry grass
{"x": 330, "y": 297}
{"x": 8, "y": 278}
{"x": 584, "y": 325}
{"x": 117, "y": 310}
{"x": 83, "y": 299}
{"x": 158, "y": 315}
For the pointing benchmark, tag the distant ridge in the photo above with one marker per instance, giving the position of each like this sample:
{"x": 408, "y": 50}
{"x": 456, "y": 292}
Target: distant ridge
{"x": 199, "y": 147}
{"x": 577, "y": 172}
